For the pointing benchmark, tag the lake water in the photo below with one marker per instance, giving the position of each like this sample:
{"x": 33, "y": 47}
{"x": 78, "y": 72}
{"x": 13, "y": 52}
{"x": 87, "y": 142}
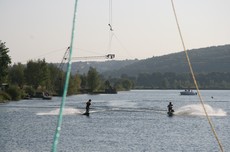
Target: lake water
{"x": 133, "y": 121}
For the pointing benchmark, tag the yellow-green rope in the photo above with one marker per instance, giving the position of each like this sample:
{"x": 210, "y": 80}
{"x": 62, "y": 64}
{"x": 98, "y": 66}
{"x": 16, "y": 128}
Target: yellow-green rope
{"x": 195, "y": 82}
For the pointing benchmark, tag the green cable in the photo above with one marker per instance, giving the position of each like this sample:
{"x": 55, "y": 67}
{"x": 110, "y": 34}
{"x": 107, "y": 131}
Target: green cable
{"x": 58, "y": 128}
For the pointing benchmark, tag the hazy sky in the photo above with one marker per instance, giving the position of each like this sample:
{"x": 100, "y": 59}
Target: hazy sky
{"x": 35, "y": 29}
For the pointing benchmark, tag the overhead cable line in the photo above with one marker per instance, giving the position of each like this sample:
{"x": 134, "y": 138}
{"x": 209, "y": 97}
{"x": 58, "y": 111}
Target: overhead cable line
{"x": 43, "y": 55}
{"x": 65, "y": 57}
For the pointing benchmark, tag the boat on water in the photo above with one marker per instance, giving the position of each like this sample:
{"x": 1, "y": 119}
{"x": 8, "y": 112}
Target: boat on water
{"x": 188, "y": 92}
{"x": 42, "y": 95}
{"x": 46, "y": 96}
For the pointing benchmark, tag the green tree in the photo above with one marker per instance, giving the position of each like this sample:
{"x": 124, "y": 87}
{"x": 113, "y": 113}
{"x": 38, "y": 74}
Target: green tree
{"x": 56, "y": 79}
{"x": 123, "y": 84}
{"x": 15, "y": 92}
{"x": 5, "y": 60}
{"x": 107, "y": 84}
{"x": 83, "y": 81}
{"x": 16, "y": 75}
{"x": 118, "y": 86}
{"x": 127, "y": 84}
{"x": 37, "y": 74}
{"x": 165, "y": 83}
{"x": 93, "y": 79}
{"x": 74, "y": 84}
{"x": 77, "y": 81}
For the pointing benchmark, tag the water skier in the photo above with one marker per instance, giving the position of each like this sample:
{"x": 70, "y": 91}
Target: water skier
{"x": 88, "y": 103}
{"x": 170, "y": 107}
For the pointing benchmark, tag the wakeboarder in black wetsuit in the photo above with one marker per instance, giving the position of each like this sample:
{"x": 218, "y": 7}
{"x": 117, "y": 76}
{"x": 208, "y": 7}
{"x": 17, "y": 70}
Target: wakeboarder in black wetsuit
{"x": 170, "y": 107}
{"x": 88, "y": 103}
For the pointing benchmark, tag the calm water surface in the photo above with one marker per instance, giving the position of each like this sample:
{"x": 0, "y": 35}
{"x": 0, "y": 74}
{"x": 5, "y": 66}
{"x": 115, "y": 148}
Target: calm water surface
{"x": 124, "y": 122}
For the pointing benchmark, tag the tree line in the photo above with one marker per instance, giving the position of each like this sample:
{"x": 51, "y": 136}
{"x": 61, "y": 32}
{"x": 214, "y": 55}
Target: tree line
{"x": 170, "y": 80}
{"x": 39, "y": 76}
{"x": 21, "y": 80}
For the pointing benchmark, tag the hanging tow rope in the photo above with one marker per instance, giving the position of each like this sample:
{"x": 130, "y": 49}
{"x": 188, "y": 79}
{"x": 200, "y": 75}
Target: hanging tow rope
{"x": 194, "y": 79}
{"x": 58, "y": 128}
{"x": 112, "y": 33}
{"x": 110, "y": 27}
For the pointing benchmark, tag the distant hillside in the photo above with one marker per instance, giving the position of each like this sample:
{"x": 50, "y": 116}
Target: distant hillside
{"x": 83, "y": 67}
{"x": 204, "y": 60}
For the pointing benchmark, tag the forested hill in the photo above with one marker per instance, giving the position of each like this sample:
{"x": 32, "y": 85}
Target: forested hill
{"x": 203, "y": 60}
{"x": 101, "y": 67}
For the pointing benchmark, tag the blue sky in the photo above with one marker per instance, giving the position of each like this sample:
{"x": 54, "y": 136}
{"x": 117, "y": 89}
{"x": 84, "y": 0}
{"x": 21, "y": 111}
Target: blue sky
{"x": 35, "y": 29}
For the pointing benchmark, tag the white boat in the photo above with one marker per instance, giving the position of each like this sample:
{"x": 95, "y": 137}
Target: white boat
{"x": 188, "y": 92}
{"x": 46, "y": 96}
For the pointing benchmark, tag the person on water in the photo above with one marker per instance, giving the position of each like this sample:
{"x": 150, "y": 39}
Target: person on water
{"x": 88, "y": 103}
{"x": 170, "y": 107}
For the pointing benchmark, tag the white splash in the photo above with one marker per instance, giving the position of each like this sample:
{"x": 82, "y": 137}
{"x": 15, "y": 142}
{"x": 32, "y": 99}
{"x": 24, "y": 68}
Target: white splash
{"x": 66, "y": 111}
{"x": 197, "y": 110}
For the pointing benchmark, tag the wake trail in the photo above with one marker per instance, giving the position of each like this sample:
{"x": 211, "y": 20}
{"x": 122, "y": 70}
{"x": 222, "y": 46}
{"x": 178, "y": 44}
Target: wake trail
{"x": 197, "y": 110}
{"x": 66, "y": 111}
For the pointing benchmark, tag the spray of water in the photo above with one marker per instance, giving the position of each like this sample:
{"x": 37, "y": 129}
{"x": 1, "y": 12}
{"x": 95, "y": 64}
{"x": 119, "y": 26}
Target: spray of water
{"x": 66, "y": 111}
{"x": 197, "y": 110}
